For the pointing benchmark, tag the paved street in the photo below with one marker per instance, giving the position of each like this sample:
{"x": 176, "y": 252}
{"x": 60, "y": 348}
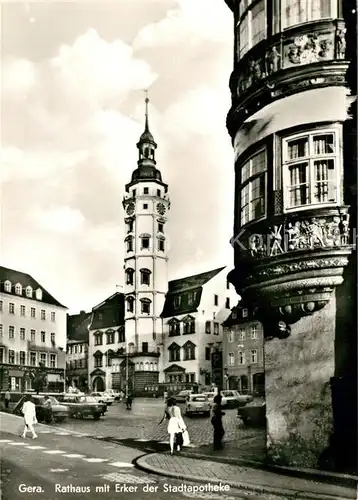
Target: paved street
{"x": 59, "y": 466}
{"x": 141, "y": 423}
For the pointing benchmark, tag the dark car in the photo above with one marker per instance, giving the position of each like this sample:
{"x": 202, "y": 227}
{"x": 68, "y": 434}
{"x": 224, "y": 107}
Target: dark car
{"x": 84, "y": 406}
{"x": 47, "y": 410}
{"x": 254, "y": 413}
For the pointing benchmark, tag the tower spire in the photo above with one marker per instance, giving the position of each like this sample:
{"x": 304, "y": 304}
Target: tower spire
{"x": 146, "y": 111}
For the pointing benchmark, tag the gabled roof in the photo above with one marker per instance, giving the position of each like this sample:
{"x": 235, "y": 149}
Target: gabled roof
{"x": 25, "y": 280}
{"x": 109, "y": 313}
{"x": 190, "y": 290}
{"x": 174, "y": 369}
{"x": 77, "y": 326}
{"x": 194, "y": 281}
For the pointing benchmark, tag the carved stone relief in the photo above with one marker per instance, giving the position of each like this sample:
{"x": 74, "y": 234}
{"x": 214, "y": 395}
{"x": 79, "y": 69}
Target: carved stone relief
{"x": 341, "y": 43}
{"x": 307, "y": 49}
{"x": 292, "y": 235}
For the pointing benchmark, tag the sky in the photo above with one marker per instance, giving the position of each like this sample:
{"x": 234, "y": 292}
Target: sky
{"x": 72, "y": 111}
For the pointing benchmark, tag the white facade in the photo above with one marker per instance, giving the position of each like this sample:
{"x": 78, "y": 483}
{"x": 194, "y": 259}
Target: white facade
{"x": 32, "y": 331}
{"x": 146, "y": 205}
{"x": 194, "y": 349}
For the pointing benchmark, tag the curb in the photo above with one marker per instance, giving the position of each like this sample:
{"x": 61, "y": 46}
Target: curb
{"x": 325, "y": 477}
{"x": 142, "y": 464}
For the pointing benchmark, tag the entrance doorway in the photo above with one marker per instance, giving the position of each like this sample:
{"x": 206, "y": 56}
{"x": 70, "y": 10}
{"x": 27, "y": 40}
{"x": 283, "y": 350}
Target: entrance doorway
{"x": 98, "y": 384}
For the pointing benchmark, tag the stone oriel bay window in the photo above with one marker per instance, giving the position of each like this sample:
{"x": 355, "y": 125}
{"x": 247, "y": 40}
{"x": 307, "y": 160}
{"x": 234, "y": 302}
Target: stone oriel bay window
{"x": 294, "y": 12}
{"x": 251, "y": 26}
{"x": 311, "y": 168}
{"x": 252, "y": 191}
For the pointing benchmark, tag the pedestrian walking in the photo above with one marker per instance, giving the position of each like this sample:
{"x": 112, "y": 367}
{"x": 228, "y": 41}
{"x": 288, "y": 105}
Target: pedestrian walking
{"x": 129, "y": 401}
{"x": 7, "y": 399}
{"x": 176, "y": 426}
{"x": 29, "y": 412}
{"x": 217, "y": 422}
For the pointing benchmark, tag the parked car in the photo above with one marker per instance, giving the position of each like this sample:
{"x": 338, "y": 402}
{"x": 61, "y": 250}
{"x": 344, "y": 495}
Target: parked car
{"x": 210, "y": 396}
{"x": 46, "y": 410}
{"x": 84, "y": 406}
{"x": 102, "y": 397}
{"x": 253, "y": 413}
{"x": 197, "y": 404}
{"x": 182, "y": 396}
{"x": 114, "y": 394}
{"x": 233, "y": 399}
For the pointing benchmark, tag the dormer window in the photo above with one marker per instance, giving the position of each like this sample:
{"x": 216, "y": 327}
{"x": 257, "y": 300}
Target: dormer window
{"x": 39, "y": 294}
{"x": 245, "y": 313}
{"x": 145, "y": 276}
{"x": 177, "y": 301}
{"x": 18, "y": 289}
{"x": 7, "y": 286}
{"x": 29, "y": 292}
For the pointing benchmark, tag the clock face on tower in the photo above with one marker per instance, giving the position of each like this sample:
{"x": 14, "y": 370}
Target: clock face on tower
{"x": 130, "y": 208}
{"x": 161, "y": 208}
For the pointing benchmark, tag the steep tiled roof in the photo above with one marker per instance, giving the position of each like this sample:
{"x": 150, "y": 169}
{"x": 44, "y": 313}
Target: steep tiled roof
{"x": 192, "y": 281}
{"x": 25, "y": 280}
{"x": 189, "y": 287}
{"x": 109, "y": 313}
{"x": 236, "y": 317}
{"x": 77, "y": 326}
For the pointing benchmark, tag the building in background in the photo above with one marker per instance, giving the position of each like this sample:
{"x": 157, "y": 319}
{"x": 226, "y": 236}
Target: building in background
{"x": 194, "y": 310}
{"x": 293, "y": 128}
{"x": 32, "y": 332}
{"x": 107, "y": 355}
{"x": 77, "y": 350}
{"x": 243, "y": 351}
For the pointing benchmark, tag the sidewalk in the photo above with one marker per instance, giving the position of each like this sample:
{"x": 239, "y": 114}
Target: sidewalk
{"x": 242, "y": 477}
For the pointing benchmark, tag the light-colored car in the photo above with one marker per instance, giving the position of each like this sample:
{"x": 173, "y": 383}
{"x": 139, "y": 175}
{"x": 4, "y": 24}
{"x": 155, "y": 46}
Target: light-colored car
{"x": 210, "y": 396}
{"x": 233, "y": 399}
{"x": 197, "y": 404}
{"x": 114, "y": 394}
{"x": 102, "y": 397}
{"x": 182, "y": 396}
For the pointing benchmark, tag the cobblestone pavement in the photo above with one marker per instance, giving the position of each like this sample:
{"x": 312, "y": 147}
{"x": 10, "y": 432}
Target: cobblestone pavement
{"x": 142, "y": 422}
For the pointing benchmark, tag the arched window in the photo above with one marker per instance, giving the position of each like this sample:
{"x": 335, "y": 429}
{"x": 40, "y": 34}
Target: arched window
{"x": 155, "y": 367}
{"x": 18, "y": 289}
{"x": 161, "y": 243}
{"x": 7, "y": 286}
{"x": 141, "y": 366}
{"x": 131, "y": 348}
{"x": 145, "y": 276}
{"x": 146, "y": 366}
{"x": 98, "y": 338}
{"x": 151, "y": 367}
{"x": 174, "y": 352}
{"x": 98, "y": 357}
{"x": 189, "y": 351}
{"x": 129, "y": 243}
{"x": 130, "y": 304}
{"x": 129, "y": 276}
{"x": 145, "y": 306}
{"x": 39, "y": 294}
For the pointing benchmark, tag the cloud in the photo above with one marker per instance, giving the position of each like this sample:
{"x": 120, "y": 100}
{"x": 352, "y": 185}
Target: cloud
{"x": 58, "y": 220}
{"x": 191, "y": 23}
{"x": 18, "y": 77}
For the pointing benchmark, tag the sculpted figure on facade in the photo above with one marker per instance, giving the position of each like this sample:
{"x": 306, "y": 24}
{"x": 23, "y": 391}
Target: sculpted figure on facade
{"x": 341, "y": 43}
{"x": 275, "y": 240}
{"x": 273, "y": 60}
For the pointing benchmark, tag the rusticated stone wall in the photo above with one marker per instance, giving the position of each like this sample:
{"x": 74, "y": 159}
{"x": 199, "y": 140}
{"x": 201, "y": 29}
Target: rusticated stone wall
{"x": 298, "y": 393}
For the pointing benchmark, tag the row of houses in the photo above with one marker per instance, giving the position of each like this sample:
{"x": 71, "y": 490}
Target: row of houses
{"x": 202, "y": 339}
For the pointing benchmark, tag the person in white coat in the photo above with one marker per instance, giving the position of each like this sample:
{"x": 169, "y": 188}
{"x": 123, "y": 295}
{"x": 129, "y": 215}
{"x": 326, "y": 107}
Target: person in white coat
{"x": 29, "y": 412}
{"x": 176, "y": 425}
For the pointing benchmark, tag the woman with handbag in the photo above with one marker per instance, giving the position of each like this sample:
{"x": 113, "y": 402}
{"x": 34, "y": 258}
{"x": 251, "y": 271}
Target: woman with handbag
{"x": 176, "y": 425}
